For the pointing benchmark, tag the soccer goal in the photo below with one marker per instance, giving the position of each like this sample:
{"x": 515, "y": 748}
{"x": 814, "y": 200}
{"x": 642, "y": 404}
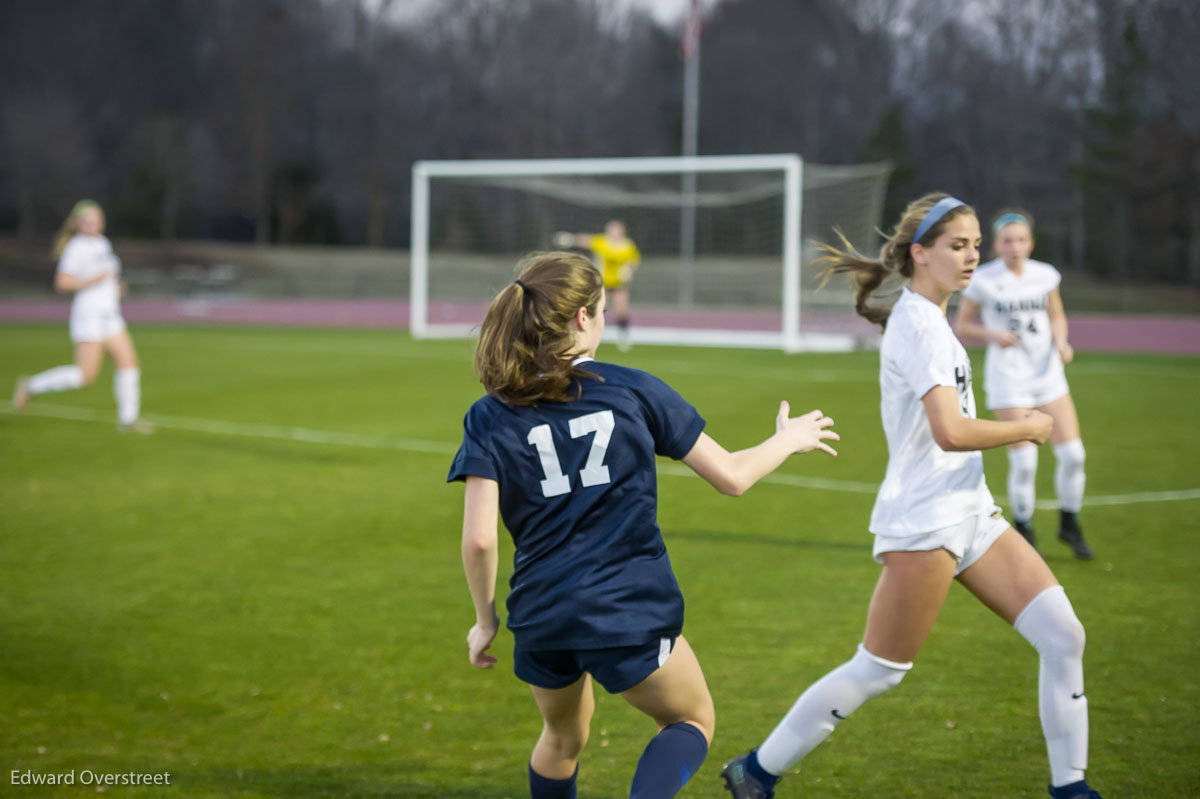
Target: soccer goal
{"x": 726, "y": 241}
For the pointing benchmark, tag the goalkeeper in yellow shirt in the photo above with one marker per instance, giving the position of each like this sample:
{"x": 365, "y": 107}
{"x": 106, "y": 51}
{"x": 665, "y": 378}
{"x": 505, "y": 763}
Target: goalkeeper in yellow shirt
{"x": 618, "y": 258}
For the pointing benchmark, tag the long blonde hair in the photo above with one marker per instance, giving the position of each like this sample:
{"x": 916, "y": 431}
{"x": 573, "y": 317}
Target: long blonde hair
{"x": 895, "y": 257}
{"x": 70, "y": 225}
{"x": 526, "y": 344}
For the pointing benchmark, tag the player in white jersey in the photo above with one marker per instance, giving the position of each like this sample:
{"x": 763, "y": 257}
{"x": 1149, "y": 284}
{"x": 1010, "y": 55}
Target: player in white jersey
{"x": 934, "y": 520}
{"x": 1013, "y": 303}
{"x": 88, "y": 268}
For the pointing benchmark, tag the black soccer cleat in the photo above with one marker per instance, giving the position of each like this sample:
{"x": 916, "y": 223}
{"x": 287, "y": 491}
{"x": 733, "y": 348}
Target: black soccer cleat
{"x": 1076, "y": 790}
{"x": 1026, "y": 531}
{"x": 1071, "y": 534}
{"x": 740, "y": 783}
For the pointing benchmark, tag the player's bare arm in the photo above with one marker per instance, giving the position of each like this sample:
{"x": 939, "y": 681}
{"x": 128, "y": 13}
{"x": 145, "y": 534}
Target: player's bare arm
{"x": 967, "y": 324}
{"x": 480, "y": 546}
{"x": 65, "y": 283}
{"x": 954, "y": 432}
{"x": 1058, "y": 326}
{"x": 733, "y": 473}
{"x": 566, "y": 239}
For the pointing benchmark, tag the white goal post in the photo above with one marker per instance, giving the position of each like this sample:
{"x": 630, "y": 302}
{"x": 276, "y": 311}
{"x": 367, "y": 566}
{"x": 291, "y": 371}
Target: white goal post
{"x": 537, "y": 196}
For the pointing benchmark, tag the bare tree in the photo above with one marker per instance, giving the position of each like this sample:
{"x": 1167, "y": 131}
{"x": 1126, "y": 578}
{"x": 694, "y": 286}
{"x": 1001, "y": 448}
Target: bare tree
{"x": 780, "y": 76}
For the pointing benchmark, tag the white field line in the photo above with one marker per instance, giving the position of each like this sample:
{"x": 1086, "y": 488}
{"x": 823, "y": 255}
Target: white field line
{"x": 244, "y": 429}
{"x": 310, "y": 436}
{"x": 1125, "y": 370}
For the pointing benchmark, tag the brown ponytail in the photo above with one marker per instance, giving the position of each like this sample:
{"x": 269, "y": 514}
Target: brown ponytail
{"x": 895, "y": 257}
{"x": 526, "y": 343}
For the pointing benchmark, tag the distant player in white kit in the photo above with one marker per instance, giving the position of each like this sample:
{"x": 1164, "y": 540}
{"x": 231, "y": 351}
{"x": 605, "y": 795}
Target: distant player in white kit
{"x": 1013, "y": 303}
{"x": 934, "y": 519}
{"x": 88, "y": 267}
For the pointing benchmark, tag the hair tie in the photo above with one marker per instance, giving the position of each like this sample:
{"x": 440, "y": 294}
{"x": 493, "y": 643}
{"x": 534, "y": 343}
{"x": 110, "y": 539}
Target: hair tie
{"x": 943, "y": 207}
{"x": 522, "y": 285}
{"x": 1008, "y": 219}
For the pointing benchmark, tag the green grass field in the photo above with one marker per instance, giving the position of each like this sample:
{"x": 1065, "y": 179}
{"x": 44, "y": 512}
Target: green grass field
{"x": 265, "y": 598}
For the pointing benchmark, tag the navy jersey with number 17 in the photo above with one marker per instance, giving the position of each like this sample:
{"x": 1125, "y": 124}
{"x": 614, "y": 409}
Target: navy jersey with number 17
{"x": 579, "y": 495}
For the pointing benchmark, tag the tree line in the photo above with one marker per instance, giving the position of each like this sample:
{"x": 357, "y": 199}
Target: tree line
{"x": 297, "y": 121}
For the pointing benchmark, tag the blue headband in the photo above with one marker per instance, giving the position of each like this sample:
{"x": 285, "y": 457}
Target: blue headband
{"x": 943, "y": 207}
{"x": 1008, "y": 219}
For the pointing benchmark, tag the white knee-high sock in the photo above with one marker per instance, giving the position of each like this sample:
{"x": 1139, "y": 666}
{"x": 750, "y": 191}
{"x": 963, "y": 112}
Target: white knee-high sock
{"x": 60, "y": 378}
{"x": 1069, "y": 478}
{"x": 127, "y": 388}
{"x": 826, "y": 702}
{"x": 1049, "y": 623}
{"x": 1022, "y": 474}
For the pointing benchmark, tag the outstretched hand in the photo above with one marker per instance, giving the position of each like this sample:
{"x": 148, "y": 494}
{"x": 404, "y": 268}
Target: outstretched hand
{"x": 479, "y": 640}
{"x": 807, "y": 432}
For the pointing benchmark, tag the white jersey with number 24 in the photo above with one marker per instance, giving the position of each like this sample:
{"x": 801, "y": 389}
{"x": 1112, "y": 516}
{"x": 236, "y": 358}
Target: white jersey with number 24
{"x": 1008, "y": 301}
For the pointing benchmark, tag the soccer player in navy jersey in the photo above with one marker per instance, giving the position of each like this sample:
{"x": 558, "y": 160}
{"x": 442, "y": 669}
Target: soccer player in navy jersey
{"x": 563, "y": 448}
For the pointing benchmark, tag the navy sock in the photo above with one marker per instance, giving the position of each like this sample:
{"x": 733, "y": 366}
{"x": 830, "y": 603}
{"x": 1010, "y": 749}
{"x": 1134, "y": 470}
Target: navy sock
{"x": 545, "y": 788}
{"x": 759, "y": 773}
{"x": 668, "y": 762}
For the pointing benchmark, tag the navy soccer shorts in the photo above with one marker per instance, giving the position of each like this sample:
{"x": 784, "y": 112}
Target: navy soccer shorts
{"x": 616, "y": 668}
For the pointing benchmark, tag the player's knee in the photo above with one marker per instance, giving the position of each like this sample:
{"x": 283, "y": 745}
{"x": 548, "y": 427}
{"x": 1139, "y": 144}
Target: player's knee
{"x": 1069, "y": 637}
{"x": 876, "y": 675}
{"x": 1071, "y": 454}
{"x": 1050, "y": 624}
{"x": 1023, "y": 463}
{"x": 704, "y": 718}
{"x": 701, "y": 715}
{"x": 566, "y": 743}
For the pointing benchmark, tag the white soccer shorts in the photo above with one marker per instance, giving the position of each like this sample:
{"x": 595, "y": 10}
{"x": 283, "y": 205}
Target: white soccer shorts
{"x": 966, "y": 541}
{"x": 96, "y": 326}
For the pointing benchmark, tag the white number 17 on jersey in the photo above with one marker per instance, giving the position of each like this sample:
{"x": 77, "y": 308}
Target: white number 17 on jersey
{"x": 594, "y": 472}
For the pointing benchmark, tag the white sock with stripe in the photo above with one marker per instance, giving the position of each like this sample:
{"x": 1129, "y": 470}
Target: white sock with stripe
{"x": 1050, "y": 624}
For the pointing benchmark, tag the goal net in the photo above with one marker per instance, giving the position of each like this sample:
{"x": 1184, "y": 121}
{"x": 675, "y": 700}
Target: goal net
{"x": 727, "y": 242}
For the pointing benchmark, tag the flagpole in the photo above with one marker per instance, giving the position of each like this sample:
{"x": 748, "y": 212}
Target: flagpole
{"x": 690, "y": 50}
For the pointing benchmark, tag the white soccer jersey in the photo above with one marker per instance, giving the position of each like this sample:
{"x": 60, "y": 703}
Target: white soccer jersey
{"x": 1017, "y": 303}
{"x": 84, "y": 257}
{"x": 926, "y": 488}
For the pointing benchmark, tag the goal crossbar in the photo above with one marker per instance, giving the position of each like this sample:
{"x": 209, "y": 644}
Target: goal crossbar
{"x": 789, "y": 165}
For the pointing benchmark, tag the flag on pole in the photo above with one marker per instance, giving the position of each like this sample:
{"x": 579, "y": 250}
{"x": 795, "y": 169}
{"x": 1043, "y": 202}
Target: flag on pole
{"x": 690, "y": 36}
